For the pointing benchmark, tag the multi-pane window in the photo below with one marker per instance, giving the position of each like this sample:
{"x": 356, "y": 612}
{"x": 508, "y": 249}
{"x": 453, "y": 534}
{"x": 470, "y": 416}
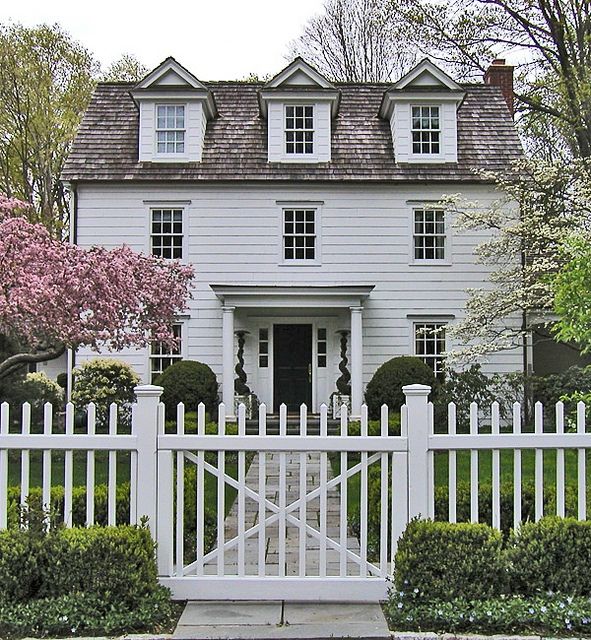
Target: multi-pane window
{"x": 163, "y": 355}
{"x": 170, "y": 128}
{"x": 299, "y": 129}
{"x": 263, "y": 348}
{"x": 167, "y": 233}
{"x": 299, "y": 234}
{"x": 321, "y": 347}
{"x": 430, "y": 344}
{"x": 425, "y": 129}
{"x": 429, "y": 234}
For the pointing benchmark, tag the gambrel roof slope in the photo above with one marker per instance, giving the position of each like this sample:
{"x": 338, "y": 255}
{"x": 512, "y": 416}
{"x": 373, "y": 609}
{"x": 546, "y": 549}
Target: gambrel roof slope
{"x": 235, "y": 145}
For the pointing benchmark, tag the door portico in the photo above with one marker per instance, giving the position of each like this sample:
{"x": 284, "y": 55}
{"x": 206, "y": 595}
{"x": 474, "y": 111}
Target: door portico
{"x": 282, "y": 301}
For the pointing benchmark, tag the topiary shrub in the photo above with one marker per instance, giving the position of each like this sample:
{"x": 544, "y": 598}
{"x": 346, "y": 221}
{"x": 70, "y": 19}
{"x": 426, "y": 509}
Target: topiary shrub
{"x": 189, "y": 382}
{"x": 554, "y": 555}
{"x": 386, "y": 385}
{"x": 103, "y": 381}
{"x": 443, "y": 561}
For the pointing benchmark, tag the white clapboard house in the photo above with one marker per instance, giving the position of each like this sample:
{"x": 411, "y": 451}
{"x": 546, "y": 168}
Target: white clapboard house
{"x": 309, "y": 210}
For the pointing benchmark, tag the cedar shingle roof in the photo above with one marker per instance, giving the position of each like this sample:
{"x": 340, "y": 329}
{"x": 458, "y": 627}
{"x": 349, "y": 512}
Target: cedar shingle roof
{"x": 106, "y": 146}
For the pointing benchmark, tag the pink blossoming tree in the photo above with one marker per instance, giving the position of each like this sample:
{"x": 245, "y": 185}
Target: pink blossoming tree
{"x": 55, "y": 295}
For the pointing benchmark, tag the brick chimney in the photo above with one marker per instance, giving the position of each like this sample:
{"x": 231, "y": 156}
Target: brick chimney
{"x": 500, "y": 75}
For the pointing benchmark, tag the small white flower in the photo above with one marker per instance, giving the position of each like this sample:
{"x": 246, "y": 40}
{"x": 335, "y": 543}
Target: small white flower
{"x": 400, "y": 605}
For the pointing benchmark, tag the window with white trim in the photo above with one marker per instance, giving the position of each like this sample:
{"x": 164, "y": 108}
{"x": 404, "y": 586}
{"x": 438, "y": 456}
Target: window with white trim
{"x": 163, "y": 355}
{"x": 429, "y": 339}
{"x": 166, "y": 234}
{"x": 321, "y": 347}
{"x": 299, "y": 234}
{"x": 170, "y": 128}
{"x": 425, "y": 130}
{"x": 263, "y": 348}
{"x": 299, "y": 129}
{"x": 429, "y": 238}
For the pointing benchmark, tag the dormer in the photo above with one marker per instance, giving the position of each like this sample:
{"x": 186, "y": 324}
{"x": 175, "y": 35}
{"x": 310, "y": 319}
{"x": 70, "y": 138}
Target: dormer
{"x": 174, "y": 109}
{"x": 299, "y": 104}
{"x": 422, "y": 110}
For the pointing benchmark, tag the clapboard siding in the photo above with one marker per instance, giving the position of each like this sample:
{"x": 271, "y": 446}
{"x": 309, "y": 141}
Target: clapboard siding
{"x": 234, "y": 236}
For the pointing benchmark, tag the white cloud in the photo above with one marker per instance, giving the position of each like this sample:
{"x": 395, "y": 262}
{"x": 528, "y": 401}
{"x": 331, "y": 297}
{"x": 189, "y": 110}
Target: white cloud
{"x": 214, "y": 40}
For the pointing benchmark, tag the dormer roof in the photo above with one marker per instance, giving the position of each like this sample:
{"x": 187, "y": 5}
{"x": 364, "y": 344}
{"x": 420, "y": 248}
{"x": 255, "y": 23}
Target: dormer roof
{"x": 170, "y": 78}
{"x": 299, "y": 80}
{"x": 425, "y": 81}
{"x": 299, "y": 73}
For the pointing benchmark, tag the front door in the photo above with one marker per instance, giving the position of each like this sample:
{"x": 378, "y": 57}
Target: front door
{"x": 292, "y": 365}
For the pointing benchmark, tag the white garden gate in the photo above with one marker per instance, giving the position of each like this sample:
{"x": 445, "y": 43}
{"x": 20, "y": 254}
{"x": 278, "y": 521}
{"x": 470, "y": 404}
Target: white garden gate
{"x": 250, "y": 513}
{"x": 288, "y": 534}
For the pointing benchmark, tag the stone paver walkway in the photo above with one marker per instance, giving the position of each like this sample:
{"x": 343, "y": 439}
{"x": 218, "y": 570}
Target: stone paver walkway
{"x": 292, "y": 479}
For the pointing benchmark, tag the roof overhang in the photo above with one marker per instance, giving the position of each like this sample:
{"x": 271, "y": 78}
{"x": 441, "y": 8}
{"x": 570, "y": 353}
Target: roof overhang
{"x": 326, "y": 296}
{"x": 185, "y": 87}
{"x": 301, "y": 96}
{"x": 391, "y": 97}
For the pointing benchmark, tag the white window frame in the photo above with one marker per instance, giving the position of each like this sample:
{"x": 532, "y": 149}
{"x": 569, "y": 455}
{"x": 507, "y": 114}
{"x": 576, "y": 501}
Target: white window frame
{"x": 439, "y": 131}
{"x": 300, "y": 206}
{"x": 417, "y": 324}
{"x": 175, "y": 357}
{"x": 178, "y": 155}
{"x": 172, "y": 208}
{"x": 424, "y": 207}
{"x": 303, "y": 154}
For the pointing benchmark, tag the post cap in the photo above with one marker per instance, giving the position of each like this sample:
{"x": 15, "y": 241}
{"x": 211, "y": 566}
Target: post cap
{"x": 147, "y": 390}
{"x": 416, "y": 390}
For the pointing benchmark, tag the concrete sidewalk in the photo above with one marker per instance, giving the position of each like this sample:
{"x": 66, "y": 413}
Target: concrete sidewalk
{"x": 278, "y": 619}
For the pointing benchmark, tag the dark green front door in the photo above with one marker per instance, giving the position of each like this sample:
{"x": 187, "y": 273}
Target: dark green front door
{"x": 292, "y": 365}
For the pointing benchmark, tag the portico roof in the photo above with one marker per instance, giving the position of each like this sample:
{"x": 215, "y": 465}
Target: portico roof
{"x": 310, "y": 296}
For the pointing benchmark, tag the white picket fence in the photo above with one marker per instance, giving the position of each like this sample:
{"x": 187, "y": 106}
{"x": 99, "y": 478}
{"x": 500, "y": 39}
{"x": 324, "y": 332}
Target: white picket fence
{"x": 288, "y": 531}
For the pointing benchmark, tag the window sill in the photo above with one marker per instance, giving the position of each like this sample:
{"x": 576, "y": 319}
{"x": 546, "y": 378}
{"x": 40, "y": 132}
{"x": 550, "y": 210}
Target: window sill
{"x": 430, "y": 263}
{"x": 171, "y": 158}
{"x": 300, "y": 263}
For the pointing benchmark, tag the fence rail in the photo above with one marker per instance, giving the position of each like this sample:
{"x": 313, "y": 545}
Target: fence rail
{"x": 295, "y": 512}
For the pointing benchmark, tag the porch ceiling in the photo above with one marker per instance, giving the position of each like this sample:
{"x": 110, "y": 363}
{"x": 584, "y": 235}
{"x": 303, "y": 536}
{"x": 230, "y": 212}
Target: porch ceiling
{"x": 310, "y": 296}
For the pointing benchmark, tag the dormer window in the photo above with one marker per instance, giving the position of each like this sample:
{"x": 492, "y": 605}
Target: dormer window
{"x": 299, "y": 105}
{"x": 426, "y": 132}
{"x": 170, "y": 128}
{"x": 174, "y": 108}
{"x": 299, "y": 129}
{"x": 422, "y": 108}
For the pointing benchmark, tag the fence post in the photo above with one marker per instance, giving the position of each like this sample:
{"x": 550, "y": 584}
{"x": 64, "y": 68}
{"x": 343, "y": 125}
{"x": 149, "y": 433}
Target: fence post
{"x": 419, "y": 429}
{"x": 145, "y": 427}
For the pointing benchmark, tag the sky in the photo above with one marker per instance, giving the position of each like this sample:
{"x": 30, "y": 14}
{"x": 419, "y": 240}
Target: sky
{"x": 214, "y": 39}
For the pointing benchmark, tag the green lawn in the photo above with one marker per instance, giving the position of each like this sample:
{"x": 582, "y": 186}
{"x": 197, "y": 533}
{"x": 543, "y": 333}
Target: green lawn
{"x": 123, "y": 466}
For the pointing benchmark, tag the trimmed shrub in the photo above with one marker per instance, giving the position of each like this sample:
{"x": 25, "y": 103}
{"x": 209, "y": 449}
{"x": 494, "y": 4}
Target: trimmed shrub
{"x": 550, "y": 389}
{"x": 69, "y": 581}
{"x": 554, "y": 555}
{"x": 114, "y": 562}
{"x": 104, "y": 381}
{"x": 385, "y": 387}
{"x": 189, "y": 382}
{"x": 443, "y": 561}
{"x": 19, "y": 567}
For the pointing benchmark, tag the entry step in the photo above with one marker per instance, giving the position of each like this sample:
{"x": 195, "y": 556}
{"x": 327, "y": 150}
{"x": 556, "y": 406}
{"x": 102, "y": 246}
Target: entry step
{"x": 281, "y": 619}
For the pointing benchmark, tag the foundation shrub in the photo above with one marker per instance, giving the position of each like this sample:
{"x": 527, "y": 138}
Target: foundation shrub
{"x": 104, "y": 381}
{"x": 385, "y": 387}
{"x": 189, "y": 382}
